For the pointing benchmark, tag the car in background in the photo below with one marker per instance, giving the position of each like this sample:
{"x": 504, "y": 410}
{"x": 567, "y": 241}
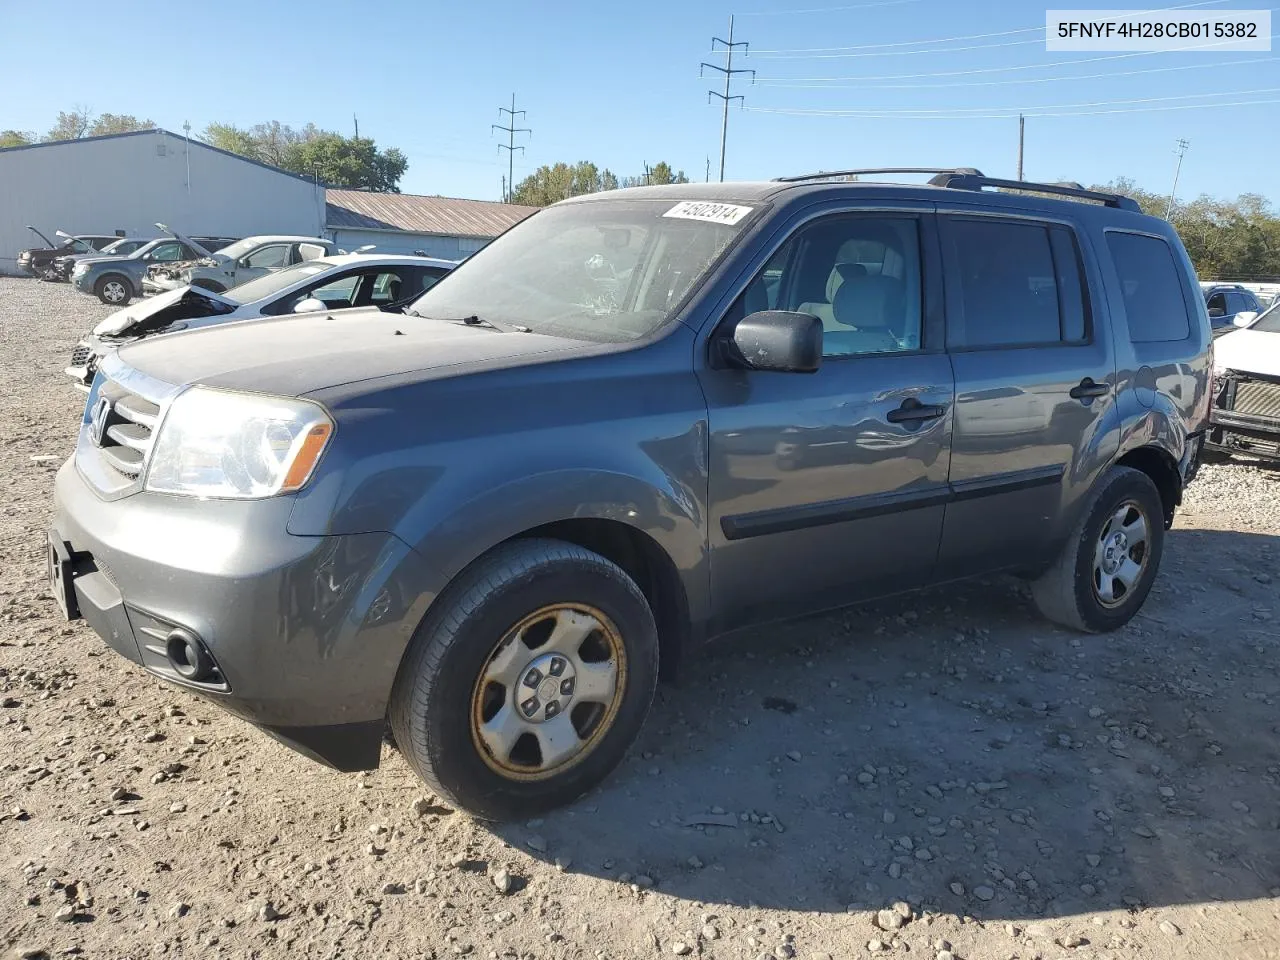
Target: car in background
{"x": 61, "y": 267}
{"x": 1227, "y": 301}
{"x": 36, "y": 260}
{"x": 117, "y": 280}
{"x": 244, "y": 260}
{"x": 324, "y": 284}
{"x": 1245, "y": 417}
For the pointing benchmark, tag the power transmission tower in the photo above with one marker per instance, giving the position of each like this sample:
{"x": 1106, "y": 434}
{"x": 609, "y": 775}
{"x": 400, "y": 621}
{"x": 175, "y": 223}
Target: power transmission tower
{"x": 728, "y": 71}
{"x": 1180, "y": 147}
{"x": 510, "y": 146}
{"x": 1022, "y": 129}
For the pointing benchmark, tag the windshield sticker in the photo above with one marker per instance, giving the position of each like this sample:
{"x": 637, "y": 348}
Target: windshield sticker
{"x": 726, "y": 213}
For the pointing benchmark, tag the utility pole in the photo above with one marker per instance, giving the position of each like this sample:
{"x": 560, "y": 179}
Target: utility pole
{"x": 356, "y": 120}
{"x": 707, "y": 178}
{"x": 186, "y": 129}
{"x": 1022, "y": 130}
{"x": 504, "y": 189}
{"x": 510, "y": 146}
{"x": 1180, "y": 147}
{"x": 728, "y": 71}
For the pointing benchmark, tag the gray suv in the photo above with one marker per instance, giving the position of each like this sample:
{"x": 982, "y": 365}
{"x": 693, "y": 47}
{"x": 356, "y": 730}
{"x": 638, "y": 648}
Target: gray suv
{"x": 635, "y": 421}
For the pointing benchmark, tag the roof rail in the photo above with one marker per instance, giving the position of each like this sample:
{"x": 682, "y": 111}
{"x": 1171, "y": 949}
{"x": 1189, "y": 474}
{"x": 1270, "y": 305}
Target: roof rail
{"x": 829, "y": 174}
{"x": 959, "y": 180}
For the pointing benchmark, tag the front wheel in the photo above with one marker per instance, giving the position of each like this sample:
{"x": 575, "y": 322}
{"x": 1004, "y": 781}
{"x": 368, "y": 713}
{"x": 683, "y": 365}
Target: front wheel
{"x": 1105, "y": 570}
{"x": 527, "y": 681}
{"x": 114, "y": 290}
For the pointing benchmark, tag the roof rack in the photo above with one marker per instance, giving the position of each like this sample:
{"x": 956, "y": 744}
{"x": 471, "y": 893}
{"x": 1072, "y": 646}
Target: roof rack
{"x": 968, "y": 178}
{"x": 830, "y": 174}
{"x": 964, "y": 180}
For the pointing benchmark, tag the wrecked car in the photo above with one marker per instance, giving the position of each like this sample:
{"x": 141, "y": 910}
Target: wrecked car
{"x": 244, "y": 260}
{"x": 61, "y": 267}
{"x": 37, "y": 260}
{"x": 329, "y": 283}
{"x": 117, "y": 280}
{"x": 1245, "y": 417}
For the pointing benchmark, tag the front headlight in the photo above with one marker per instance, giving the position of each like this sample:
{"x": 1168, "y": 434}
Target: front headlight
{"x": 215, "y": 443}
{"x": 80, "y": 269}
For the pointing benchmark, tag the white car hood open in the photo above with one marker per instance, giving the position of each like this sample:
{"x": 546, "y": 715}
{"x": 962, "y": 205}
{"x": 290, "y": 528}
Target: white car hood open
{"x": 1249, "y": 351}
{"x": 123, "y": 319}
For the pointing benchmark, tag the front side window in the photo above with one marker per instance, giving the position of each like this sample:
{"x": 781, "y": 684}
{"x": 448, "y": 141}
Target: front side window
{"x": 601, "y": 270}
{"x": 859, "y": 275}
{"x": 268, "y": 258}
{"x": 167, "y": 252}
{"x": 1151, "y": 284}
{"x": 1269, "y": 322}
{"x": 1019, "y": 283}
{"x": 265, "y": 286}
{"x": 1217, "y": 305}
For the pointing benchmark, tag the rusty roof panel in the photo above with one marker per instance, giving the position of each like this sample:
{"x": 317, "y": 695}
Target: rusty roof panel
{"x": 445, "y": 216}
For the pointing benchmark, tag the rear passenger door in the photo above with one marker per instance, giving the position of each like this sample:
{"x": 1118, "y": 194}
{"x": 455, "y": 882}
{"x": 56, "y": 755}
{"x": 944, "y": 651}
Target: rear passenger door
{"x": 1035, "y": 387}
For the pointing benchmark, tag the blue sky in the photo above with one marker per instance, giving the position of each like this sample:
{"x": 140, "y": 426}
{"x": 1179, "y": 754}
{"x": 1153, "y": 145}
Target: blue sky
{"x": 618, "y": 84}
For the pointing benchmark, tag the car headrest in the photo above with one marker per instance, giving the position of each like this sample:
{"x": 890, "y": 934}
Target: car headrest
{"x": 869, "y": 302}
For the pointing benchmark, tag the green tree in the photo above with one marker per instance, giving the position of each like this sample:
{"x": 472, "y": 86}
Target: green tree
{"x": 118, "y": 123}
{"x": 555, "y": 182}
{"x": 16, "y": 138}
{"x": 335, "y": 159}
{"x": 71, "y": 125}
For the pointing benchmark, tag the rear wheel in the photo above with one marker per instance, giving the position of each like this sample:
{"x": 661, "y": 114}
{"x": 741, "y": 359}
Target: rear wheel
{"x": 114, "y": 290}
{"x": 1106, "y": 569}
{"x": 527, "y": 681}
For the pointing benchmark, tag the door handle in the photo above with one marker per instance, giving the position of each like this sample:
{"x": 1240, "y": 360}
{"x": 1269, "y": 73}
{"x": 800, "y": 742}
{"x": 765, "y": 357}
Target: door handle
{"x": 1087, "y": 389}
{"x": 912, "y": 410}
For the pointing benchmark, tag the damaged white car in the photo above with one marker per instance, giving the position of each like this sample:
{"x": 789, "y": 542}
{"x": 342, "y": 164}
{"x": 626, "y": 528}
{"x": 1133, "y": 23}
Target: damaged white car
{"x": 239, "y": 263}
{"x": 1245, "y": 417}
{"x": 325, "y": 284}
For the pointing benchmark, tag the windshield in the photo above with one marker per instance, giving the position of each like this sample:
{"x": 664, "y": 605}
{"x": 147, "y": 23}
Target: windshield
{"x": 602, "y": 270}
{"x": 265, "y": 286}
{"x": 79, "y": 246}
{"x": 239, "y": 248}
{"x": 1269, "y": 321}
{"x": 121, "y": 246}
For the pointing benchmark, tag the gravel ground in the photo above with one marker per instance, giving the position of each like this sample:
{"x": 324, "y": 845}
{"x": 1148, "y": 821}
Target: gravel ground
{"x": 941, "y": 776}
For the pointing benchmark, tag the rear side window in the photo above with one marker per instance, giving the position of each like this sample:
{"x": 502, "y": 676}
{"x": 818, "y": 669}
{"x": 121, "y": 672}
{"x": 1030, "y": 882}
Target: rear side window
{"x": 1152, "y": 286}
{"x": 1020, "y": 285}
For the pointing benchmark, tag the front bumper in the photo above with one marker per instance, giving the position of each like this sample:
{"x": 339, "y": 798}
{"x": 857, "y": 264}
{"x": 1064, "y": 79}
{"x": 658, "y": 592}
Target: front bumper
{"x": 83, "y": 281}
{"x": 306, "y": 632}
{"x": 1232, "y": 432}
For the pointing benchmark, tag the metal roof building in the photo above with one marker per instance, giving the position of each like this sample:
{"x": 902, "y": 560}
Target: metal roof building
{"x": 127, "y": 182}
{"x": 402, "y": 223}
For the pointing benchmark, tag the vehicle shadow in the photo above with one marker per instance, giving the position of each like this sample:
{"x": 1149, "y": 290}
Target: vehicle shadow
{"x": 952, "y": 750}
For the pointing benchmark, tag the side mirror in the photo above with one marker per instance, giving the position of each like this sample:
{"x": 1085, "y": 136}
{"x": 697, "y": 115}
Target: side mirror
{"x": 1216, "y": 313}
{"x": 310, "y": 305}
{"x": 778, "y": 340}
{"x": 1244, "y": 318}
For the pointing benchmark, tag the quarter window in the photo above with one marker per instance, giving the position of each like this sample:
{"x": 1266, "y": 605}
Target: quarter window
{"x": 859, "y": 275}
{"x": 1151, "y": 284}
{"x": 1020, "y": 284}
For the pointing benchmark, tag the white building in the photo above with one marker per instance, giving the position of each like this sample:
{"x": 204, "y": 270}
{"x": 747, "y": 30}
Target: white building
{"x": 127, "y": 182}
{"x": 403, "y": 222}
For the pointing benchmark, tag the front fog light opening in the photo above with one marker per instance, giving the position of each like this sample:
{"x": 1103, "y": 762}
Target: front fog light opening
{"x": 189, "y": 658}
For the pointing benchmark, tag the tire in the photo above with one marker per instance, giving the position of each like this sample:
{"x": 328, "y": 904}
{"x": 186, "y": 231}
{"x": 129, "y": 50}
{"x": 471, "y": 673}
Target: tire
{"x": 469, "y": 737}
{"x": 1086, "y": 588}
{"x": 114, "y": 290}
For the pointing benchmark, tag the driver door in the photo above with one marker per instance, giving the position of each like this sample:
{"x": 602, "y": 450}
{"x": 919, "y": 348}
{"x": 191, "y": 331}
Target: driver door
{"x": 830, "y": 486}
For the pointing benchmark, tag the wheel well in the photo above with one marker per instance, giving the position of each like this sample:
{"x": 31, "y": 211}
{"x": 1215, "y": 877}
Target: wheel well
{"x": 1163, "y": 471}
{"x": 648, "y": 565}
{"x": 112, "y": 276}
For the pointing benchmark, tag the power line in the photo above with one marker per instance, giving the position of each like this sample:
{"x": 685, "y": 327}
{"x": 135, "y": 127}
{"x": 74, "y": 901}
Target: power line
{"x": 1015, "y": 111}
{"x": 784, "y": 81}
{"x": 971, "y": 36}
{"x": 1020, "y": 80}
{"x": 510, "y": 146}
{"x": 852, "y": 6}
{"x": 951, "y": 115}
{"x": 899, "y": 53}
{"x": 729, "y": 72}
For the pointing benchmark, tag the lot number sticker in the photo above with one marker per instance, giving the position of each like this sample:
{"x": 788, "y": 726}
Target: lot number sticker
{"x": 726, "y": 213}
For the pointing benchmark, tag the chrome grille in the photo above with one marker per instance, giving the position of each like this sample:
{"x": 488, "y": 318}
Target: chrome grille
{"x": 80, "y": 355}
{"x": 121, "y": 427}
{"x": 123, "y": 412}
{"x": 1258, "y": 398}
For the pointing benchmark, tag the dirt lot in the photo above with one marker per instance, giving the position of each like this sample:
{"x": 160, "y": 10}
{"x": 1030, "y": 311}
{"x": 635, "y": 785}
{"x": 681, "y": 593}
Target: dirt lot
{"x": 1021, "y": 792}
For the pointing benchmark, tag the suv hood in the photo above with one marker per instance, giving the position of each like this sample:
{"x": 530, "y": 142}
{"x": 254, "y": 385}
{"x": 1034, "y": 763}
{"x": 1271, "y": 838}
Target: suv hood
{"x": 1249, "y": 351}
{"x": 184, "y": 303}
{"x": 297, "y": 355}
